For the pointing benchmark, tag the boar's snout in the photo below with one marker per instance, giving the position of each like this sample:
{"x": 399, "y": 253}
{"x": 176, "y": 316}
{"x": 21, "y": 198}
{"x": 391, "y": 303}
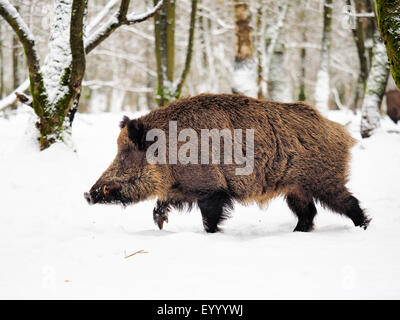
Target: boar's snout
{"x": 106, "y": 193}
{"x": 88, "y": 197}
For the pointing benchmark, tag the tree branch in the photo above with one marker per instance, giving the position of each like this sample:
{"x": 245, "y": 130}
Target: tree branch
{"x": 11, "y": 98}
{"x": 23, "y": 98}
{"x": 120, "y": 18}
{"x": 108, "y": 28}
{"x": 136, "y": 18}
{"x": 100, "y": 16}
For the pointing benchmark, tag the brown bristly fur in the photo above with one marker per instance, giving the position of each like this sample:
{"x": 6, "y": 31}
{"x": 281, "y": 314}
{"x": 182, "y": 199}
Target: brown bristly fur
{"x": 298, "y": 153}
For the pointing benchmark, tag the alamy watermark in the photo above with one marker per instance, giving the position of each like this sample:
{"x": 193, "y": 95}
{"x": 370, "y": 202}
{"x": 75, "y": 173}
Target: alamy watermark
{"x": 196, "y": 147}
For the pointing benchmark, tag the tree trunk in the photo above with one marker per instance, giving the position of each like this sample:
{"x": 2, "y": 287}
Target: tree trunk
{"x": 202, "y": 35}
{"x": 279, "y": 86}
{"x": 244, "y": 79}
{"x": 375, "y": 89}
{"x": 388, "y": 13}
{"x": 1, "y": 64}
{"x": 15, "y": 74}
{"x": 360, "y": 34}
{"x": 164, "y": 30}
{"x": 272, "y": 35}
{"x": 322, "y": 88}
{"x": 259, "y": 43}
{"x": 303, "y": 56}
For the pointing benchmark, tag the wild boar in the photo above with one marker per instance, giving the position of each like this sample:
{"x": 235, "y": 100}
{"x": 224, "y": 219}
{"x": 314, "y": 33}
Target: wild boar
{"x": 295, "y": 152}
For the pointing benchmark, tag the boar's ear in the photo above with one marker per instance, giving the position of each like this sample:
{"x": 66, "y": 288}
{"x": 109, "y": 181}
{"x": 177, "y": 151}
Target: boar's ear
{"x": 124, "y": 122}
{"x": 137, "y": 134}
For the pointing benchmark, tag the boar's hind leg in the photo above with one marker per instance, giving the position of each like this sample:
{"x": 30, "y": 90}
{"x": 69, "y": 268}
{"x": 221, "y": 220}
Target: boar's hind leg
{"x": 304, "y": 210}
{"x": 342, "y": 201}
{"x": 214, "y": 208}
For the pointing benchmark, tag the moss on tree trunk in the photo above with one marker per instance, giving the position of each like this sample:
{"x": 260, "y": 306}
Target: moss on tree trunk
{"x": 388, "y": 14}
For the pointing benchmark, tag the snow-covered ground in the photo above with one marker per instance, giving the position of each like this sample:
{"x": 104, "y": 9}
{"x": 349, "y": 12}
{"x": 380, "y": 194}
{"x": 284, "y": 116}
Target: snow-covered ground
{"x": 54, "y": 245}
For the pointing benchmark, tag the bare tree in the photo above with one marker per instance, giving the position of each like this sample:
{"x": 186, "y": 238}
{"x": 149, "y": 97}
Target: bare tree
{"x": 55, "y": 87}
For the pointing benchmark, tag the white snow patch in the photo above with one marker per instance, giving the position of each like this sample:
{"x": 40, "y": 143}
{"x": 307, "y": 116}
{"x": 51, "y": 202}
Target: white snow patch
{"x": 54, "y": 245}
{"x": 244, "y": 78}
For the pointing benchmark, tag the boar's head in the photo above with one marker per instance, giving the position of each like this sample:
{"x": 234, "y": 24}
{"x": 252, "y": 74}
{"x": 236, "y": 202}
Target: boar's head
{"x": 129, "y": 178}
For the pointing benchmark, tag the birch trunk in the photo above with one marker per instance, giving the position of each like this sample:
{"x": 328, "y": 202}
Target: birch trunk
{"x": 272, "y": 35}
{"x": 279, "y": 86}
{"x": 244, "y": 79}
{"x": 375, "y": 89}
{"x": 322, "y": 88}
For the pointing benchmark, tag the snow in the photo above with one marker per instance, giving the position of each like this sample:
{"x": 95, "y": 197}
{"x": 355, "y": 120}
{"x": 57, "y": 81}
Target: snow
{"x": 54, "y": 245}
{"x": 322, "y": 91}
{"x": 244, "y": 78}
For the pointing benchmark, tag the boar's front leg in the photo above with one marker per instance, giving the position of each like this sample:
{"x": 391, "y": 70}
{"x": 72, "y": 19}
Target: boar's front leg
{"x": 160, "y": 213}
{"x": 214, "y": 208}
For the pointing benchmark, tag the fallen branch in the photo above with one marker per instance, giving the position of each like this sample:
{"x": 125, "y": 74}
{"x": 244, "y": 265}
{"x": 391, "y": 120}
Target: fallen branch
{"x": 137, "y": 252}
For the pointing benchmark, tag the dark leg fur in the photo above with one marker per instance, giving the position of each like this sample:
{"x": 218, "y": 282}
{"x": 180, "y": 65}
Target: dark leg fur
{"x": 214, "y": 209}
{"x": 304, "y": 210}
{"x": 345, "y": 203}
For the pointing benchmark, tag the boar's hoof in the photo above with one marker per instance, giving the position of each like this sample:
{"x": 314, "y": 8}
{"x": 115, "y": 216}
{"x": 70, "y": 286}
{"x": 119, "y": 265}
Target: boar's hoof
{"x": 160, "y": 221}
{"x": 212, "y": 229}
{"x": 159, "y": 218}
{"x": 365, "y": 223}
{"x": 303, "y": 227}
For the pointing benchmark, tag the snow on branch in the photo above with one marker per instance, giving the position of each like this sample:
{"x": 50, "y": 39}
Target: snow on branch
{"x": 101, "y": 15}
{"x": 136, "y": 18}
{"x": 120, "y": 18}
